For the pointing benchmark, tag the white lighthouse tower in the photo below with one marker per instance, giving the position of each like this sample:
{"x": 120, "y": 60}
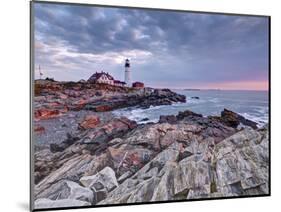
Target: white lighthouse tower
{"x": 127, "y": 73}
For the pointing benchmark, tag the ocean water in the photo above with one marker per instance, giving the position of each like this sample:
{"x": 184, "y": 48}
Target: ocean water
{"x": 252, "y": 105}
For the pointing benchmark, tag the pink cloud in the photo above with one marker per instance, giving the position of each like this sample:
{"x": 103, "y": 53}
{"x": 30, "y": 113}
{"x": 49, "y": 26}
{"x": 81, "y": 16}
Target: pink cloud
{"x": 238, "y": 85}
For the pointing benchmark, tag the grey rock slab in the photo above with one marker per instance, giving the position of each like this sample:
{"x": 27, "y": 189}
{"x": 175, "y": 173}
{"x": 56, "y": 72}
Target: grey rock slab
{"x": 106, "y": 177}
{"x": 66, "y": 189}
{"x": 47, "y": 203}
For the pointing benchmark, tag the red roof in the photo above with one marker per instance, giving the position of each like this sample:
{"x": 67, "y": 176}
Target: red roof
{"x": 138, "y": 84}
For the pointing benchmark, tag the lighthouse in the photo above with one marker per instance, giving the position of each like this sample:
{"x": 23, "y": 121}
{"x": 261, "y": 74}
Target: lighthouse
{"x": 127, "y": 73}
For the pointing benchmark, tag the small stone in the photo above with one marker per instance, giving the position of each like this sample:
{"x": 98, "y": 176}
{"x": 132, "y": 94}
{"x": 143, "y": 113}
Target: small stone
{"x": 91, "y": 121}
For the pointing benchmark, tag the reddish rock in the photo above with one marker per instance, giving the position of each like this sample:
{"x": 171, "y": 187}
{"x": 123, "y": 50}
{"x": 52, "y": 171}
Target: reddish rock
{"x": 79, "y": 104}
{"x": 39, "y": 129}
{"x": 52, "y": 87}
{"x": 103, "y": 108}
{"x": 138, "y": 85}
{"x": 91, "y": 121}
{"x": 46, "y": 114}
{"x": 54, "y": 104}
{"x": 133, "y": 159}
{"x": 131, "y": 124}
{"x": 62, "y": 96}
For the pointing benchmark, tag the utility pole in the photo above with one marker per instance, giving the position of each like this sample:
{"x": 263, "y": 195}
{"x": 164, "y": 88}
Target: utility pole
{"x": 40, "y": 73}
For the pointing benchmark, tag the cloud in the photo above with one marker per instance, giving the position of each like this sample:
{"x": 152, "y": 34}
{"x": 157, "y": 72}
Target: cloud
{"x": 165, "y": 47}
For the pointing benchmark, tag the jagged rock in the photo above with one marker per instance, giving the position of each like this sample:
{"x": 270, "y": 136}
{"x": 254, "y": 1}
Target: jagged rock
{"x": 64, "y": 96}
{"x": 62, "y": 203}
{"x": 242, "y": 160}
{"x": 186, "y": 157}
{"x": 140, "y": 186}
{"x": 187, "y": 113}
{"x": 236, "y": 166}
{"x": 171, "y": 119}
{"x": 233, "y": 119}
{"x": 43, "y": 164}
{"x": 105, "y": 178}
{"x": 69, "y": 170}
{"x": 230, "y": 118}
{"x": 97, "y": 140}
{"x": 73, "y": 168}
{"x": 93, "y": 142}
{"x": 65, "y": 189}
{"x": 124, "y": 176}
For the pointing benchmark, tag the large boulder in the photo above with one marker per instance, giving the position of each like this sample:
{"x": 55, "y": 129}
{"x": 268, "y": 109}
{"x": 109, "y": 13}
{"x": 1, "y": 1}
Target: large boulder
{"x": 187, "y": 113}
{"x": 103, "y": 179}
{"x": 101, "y": 183}
{"x": 233, "y": 119}
{"x": 230, "y": 118}
{"x": 66, "y": 189}
{"x": 70, "y": 166}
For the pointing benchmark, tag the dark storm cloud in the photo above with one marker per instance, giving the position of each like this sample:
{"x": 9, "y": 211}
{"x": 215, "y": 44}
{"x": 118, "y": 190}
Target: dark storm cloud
{"x": 173, "y": 47}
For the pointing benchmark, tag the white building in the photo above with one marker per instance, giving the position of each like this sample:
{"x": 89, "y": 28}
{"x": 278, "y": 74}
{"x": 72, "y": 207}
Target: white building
{"x": 106, "y": 78}
{"x": 101, "y": 77}
{"x": 127, "y": 73}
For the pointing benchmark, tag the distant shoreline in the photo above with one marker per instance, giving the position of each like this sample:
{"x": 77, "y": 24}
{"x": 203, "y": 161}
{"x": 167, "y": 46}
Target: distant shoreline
{"x": 204, "y": 89}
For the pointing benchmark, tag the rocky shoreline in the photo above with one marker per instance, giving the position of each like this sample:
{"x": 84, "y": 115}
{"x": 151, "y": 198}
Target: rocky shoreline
{"x": 109, "y": 160}
{"x": 69, "y": 102}
{"x": 53, "y": 99}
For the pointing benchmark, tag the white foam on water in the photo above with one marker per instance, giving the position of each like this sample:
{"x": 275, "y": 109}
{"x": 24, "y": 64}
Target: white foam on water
{"x": 148, "y": 121}
{"x": 190, "y": 100}
{"x": 137, "y": 114}
{"x": 261, "y": 110}
{"x": 214, "y": 100}
{"x": 260, "y": 120}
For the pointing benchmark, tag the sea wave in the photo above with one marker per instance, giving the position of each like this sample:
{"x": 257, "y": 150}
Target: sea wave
{"x": 260, "y": 120}
{"x": 152, "y": 114}
{"x": 206, "y": 105}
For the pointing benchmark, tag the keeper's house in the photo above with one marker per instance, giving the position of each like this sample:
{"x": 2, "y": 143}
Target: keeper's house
{"x": 105, "y": 78}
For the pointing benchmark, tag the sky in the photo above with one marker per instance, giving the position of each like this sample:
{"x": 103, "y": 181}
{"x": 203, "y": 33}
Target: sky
{"x": 166, "y": 49}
